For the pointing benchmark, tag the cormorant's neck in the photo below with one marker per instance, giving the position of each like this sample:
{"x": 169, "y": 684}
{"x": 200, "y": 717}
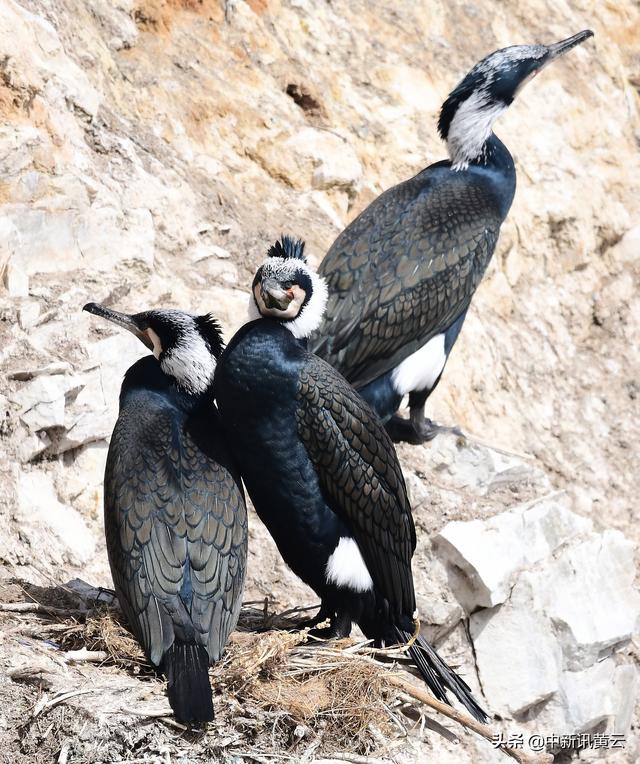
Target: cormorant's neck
{"x": 494, "y": 154}
{"x": 496, "y": 162}
{"x": 470, "y": 129}
{"x": 146, "y": 374}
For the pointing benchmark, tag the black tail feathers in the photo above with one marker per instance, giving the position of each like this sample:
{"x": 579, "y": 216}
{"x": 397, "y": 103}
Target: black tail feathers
{"x": 438, "y": 676}
{"x": 188, "y": 687}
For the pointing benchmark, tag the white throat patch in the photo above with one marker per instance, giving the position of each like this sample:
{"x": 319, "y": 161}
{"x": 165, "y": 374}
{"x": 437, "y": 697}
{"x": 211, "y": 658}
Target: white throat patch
{"x": 471, "y": 127}
{"x": 347, "y": 569}
{"x": 310, "y": 317}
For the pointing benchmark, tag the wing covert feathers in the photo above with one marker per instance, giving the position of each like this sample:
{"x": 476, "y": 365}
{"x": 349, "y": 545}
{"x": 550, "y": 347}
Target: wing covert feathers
{"x": 360, "y": 476}
{"x": 176, "y": 525}
{"x": 402, "y": 272}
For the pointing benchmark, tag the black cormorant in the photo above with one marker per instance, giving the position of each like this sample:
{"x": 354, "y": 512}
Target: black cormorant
{"x": 401, "y": 276}
{"x": 320, "y": 469}
{"x": 174, "y": 511}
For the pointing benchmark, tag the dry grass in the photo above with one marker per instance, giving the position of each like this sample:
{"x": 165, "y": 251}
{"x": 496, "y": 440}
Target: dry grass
{"x": 277, "y": 693}
{"x": 301, "y": 692}
{"x": 103, "y": 630}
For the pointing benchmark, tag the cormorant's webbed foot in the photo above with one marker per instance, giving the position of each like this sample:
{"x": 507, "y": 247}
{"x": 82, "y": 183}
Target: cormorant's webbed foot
{"x": 340, "y": 628}
{"x": 417, "y": 431}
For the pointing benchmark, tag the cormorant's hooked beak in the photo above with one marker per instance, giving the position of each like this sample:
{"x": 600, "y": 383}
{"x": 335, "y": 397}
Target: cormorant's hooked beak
{"x": 553, "y": 52}
{"x": 560, "y": 48}
{"x": 273, "y": 295}
{"x": 122, "y": 319}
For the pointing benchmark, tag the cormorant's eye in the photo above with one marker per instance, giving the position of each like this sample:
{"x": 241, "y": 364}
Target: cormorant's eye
{"x": 287, "y": 284}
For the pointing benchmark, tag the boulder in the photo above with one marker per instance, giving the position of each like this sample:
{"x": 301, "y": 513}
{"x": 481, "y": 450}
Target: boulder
{"x": 478, "y": 468}
{"x": 45, "y": 522}
{"x": 587, "y": 592}
{"x": 518, "y": 658}
{"x": 485, "y": 556}
{"x": 42, "y": 400}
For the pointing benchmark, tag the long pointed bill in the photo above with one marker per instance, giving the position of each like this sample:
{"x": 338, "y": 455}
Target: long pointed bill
{"x": 560, "y": 48}
{"x": 122, "y": 319}
{"x": 273, "y": 295}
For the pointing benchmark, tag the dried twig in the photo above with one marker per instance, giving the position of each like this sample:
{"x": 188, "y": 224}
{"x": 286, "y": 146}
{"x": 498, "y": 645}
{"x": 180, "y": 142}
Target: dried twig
{"x": 353, "y": 758}
{"x": 37, "y": 607}
{"x": 86, "y": 656}
{"x": 467, "y": 721}
{"x": 64, "y": 753}
{"x": 44, "y": 704}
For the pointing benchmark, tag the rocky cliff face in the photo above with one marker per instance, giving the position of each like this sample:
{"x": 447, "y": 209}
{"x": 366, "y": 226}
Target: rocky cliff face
{"x": 149, "y": 152}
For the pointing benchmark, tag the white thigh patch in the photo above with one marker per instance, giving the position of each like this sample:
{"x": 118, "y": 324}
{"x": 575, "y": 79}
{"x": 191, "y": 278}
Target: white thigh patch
{"x": 421, "y": 369}
{"x": 346, "y": 567}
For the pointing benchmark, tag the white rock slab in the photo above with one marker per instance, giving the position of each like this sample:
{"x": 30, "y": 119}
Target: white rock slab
{"x": 485, "y": 556}
{"x": 519, "y": 661}
{"x": 479, "y": 469}
{"x": 599, "y": 697}
{"x": 93, "y": 413}
{"x": 587, "y": 592}
{"x": 44, "y": 519}
{"x": 42, "y": 400}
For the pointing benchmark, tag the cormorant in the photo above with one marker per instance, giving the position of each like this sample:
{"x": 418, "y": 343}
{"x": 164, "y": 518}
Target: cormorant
{"x": 401, "y": 276}
{"x": 174, "y": 511}
{"x": 320, "y": 469}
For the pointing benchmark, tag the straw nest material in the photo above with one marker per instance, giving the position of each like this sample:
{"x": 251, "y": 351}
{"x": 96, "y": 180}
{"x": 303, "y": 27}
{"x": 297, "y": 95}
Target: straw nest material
{"x": 302, "y": 692}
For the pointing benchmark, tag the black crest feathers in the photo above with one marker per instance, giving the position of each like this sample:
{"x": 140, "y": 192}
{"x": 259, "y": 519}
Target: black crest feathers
{"x": 288, "y": 247}
{"x": 211, "y": 330}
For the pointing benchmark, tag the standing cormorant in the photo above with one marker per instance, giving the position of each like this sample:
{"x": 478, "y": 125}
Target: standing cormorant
{"x": 401, "y": 276}
{"x": 174, "y": 511}
{"x": 320, "y": 469}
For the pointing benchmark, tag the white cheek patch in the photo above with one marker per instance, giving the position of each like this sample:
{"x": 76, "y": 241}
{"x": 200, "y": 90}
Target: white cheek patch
{"x": 157, "y": 345}
{"x": 346, "y": 568}
{"x": 421, "y": 369}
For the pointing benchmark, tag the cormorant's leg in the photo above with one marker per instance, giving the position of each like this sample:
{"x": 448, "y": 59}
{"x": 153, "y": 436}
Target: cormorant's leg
{"x": 425, "y": 429}
{"x": 417, "y": 429}
{"x": 400, "y": 430}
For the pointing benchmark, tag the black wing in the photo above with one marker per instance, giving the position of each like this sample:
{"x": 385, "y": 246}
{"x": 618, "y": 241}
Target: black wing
{"x": 360, "y": 476}
{"x": 176, "y": 528}
{"x": 404, "y": 271}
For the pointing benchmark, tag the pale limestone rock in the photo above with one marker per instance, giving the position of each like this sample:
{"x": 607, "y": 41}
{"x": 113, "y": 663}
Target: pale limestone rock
{"x": 438, "y": 609}
{"x": 94, "y": 411}
{"x": 50, "y": 369}
{"x": 628, "y": 248}
{"x": 518, "y": 658}
{"x": 80, "y": 483}
{"x": 42, "y": 400}
{"x": 587, "y": 593}
{"x": 45, "y": 520}
{"x": 478, "y": 468}
{"x": 16, "y": 280}
{"x": 109, "y": 232}
{"x": 117, "y": 19}
{"x": 319, "y": 158}
{"x": 599, "y": 697}
{"x": 484, "y": 557}
{"x": 28, "y": 314}
{"x": 43, "y": 59}
{"x": 31, "y": 444}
